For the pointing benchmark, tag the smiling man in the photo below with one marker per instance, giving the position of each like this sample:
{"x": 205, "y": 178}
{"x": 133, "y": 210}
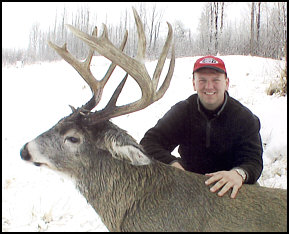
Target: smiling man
{"x": 217, "y": 135}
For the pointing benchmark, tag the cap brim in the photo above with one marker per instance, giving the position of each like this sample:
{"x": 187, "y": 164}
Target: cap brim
{"x": 215, "y": 68}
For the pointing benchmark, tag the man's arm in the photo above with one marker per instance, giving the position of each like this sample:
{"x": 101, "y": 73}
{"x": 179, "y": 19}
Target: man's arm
{"x": 162, "y": 139}
{"x": 248, "y": 163}
{"x": 249, "y": 151}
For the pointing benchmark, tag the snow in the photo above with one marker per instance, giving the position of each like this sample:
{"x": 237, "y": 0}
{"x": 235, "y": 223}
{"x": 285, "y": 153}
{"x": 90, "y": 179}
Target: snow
{"x": 36, "y": 96}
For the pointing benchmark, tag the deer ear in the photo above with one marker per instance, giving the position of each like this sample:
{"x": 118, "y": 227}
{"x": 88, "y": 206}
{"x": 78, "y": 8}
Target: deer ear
{"x": 133, "y": 154}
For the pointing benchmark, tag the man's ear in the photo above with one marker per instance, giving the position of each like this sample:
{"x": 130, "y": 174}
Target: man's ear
{"x": 227, "y": 83}
{"x": 194, "y": 83}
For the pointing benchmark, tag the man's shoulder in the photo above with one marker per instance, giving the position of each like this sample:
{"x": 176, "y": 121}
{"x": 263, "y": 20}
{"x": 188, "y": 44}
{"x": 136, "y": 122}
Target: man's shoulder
{"x": 183, "y": 108}
{"x": 239, "y": 110}
{"x": 188, "y": 102}
{"x": 237, "y": 105}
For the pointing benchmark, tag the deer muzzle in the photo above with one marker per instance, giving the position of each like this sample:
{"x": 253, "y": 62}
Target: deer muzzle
{"x": 25, "y": 155}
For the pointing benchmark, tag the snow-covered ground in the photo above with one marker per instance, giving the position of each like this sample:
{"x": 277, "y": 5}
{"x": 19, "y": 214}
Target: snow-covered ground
{"x": 35, "y": 97}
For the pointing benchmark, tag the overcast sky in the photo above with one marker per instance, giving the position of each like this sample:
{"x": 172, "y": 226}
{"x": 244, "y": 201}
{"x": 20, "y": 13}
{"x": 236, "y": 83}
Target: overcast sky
{"x": 18, "y": 18}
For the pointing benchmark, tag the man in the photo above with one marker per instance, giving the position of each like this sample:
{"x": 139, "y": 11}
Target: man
{"x": 216, "y": 134}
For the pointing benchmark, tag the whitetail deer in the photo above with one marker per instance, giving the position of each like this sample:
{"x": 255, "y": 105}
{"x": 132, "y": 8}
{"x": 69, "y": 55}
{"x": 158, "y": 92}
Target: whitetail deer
{"x": 128, "y": 190}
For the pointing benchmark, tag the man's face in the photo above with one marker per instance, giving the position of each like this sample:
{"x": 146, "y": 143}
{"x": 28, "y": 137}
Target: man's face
{"x": 210, "y": 86}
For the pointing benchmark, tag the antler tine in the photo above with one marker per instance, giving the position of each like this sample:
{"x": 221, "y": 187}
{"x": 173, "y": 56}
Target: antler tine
{"x": 135, "y": 67}
{"x": 160, "y": 93}
{"x": 91, "y": 51}
{"x": 161, "y": 61}
{"x": 141, "y": 49}
{"x": 83, "y": 68}
{"x": 103, "y": 46}
{"x": 112, "y": 66}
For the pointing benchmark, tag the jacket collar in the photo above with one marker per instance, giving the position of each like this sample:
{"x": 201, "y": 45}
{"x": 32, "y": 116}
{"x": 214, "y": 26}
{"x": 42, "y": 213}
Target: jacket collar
{"x": 220, "y": 110}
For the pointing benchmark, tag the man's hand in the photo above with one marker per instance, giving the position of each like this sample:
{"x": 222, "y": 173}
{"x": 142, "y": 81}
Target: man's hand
{"x": 225, "y": 180}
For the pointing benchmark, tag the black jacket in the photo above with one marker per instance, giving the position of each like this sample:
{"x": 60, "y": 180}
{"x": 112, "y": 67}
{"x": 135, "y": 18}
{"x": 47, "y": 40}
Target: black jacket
{"x": 208, "y": 142}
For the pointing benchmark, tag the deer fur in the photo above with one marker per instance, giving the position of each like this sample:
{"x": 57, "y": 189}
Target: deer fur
{"x": 131, "y": 192}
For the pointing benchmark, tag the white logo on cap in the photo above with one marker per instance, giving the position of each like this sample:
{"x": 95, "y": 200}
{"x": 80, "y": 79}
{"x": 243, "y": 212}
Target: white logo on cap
{"x": 209, "y": 61}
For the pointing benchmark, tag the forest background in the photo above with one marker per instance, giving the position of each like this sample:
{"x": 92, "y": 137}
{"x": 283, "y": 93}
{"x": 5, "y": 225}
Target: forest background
{"x": 261, "y": 31}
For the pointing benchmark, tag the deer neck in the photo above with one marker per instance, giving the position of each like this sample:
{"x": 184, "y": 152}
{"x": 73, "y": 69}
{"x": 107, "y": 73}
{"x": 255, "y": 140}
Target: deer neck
{"x": 117, "y": 190}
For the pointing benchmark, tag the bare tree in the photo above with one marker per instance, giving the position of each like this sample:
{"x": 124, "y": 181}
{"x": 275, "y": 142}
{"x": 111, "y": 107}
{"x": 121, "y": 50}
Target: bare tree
{"x": 252, "y": 28}
{"x": 151, "y": 18}
{"x": 155, "y": 18}
{"x": 255, "y": 28}
{"x": 216, "y": 17}
{"x": 211, "y": 23}
{"x": 182, "y": 46}
{"x": 258, "y": 21}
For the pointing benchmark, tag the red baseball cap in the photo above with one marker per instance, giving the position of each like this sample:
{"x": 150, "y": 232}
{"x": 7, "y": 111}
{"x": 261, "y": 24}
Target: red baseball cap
{"x": 210, "y": 62}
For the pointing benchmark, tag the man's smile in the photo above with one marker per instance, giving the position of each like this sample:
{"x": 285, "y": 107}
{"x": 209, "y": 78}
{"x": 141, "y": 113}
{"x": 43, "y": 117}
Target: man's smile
{"x": 210, "y": 93}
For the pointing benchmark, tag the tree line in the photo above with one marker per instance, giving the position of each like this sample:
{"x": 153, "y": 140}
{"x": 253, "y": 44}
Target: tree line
{"x": 261, "y": 32}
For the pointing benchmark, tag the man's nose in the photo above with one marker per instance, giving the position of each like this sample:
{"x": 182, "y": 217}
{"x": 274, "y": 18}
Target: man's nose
{"x": 209, "y": 84}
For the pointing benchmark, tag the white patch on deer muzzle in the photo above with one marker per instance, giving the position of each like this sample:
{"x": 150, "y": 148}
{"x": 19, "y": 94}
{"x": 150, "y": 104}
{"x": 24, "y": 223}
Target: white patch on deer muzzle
{"x": 131, "y": 153}
{"x": 36, "y": 156}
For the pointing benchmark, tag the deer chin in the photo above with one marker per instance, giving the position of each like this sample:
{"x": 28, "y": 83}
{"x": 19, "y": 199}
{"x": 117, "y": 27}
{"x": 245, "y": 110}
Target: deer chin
{"x": 39, "y": 164}
{"x": 62, "y": 174}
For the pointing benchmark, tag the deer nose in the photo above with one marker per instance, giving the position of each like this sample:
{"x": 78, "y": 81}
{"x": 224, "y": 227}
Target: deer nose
{"x": 24, "y": 153}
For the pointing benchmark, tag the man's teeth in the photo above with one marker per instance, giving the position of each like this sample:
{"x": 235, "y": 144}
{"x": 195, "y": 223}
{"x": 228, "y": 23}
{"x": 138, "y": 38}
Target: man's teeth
{"x": 209, "y": 93}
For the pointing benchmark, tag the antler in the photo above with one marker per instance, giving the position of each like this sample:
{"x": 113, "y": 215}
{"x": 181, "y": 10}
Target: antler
{"x": 133, "y": 66}
{"x": 83, "y": 68}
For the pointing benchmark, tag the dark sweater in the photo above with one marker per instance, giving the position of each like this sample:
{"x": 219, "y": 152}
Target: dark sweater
{"x": 208, "y": 141}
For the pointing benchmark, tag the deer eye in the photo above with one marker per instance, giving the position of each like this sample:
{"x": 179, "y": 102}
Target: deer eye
{"x": 72, "y": 139}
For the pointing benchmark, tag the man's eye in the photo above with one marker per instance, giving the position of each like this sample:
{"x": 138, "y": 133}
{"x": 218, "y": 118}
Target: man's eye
{"x": 72, "y": 139}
